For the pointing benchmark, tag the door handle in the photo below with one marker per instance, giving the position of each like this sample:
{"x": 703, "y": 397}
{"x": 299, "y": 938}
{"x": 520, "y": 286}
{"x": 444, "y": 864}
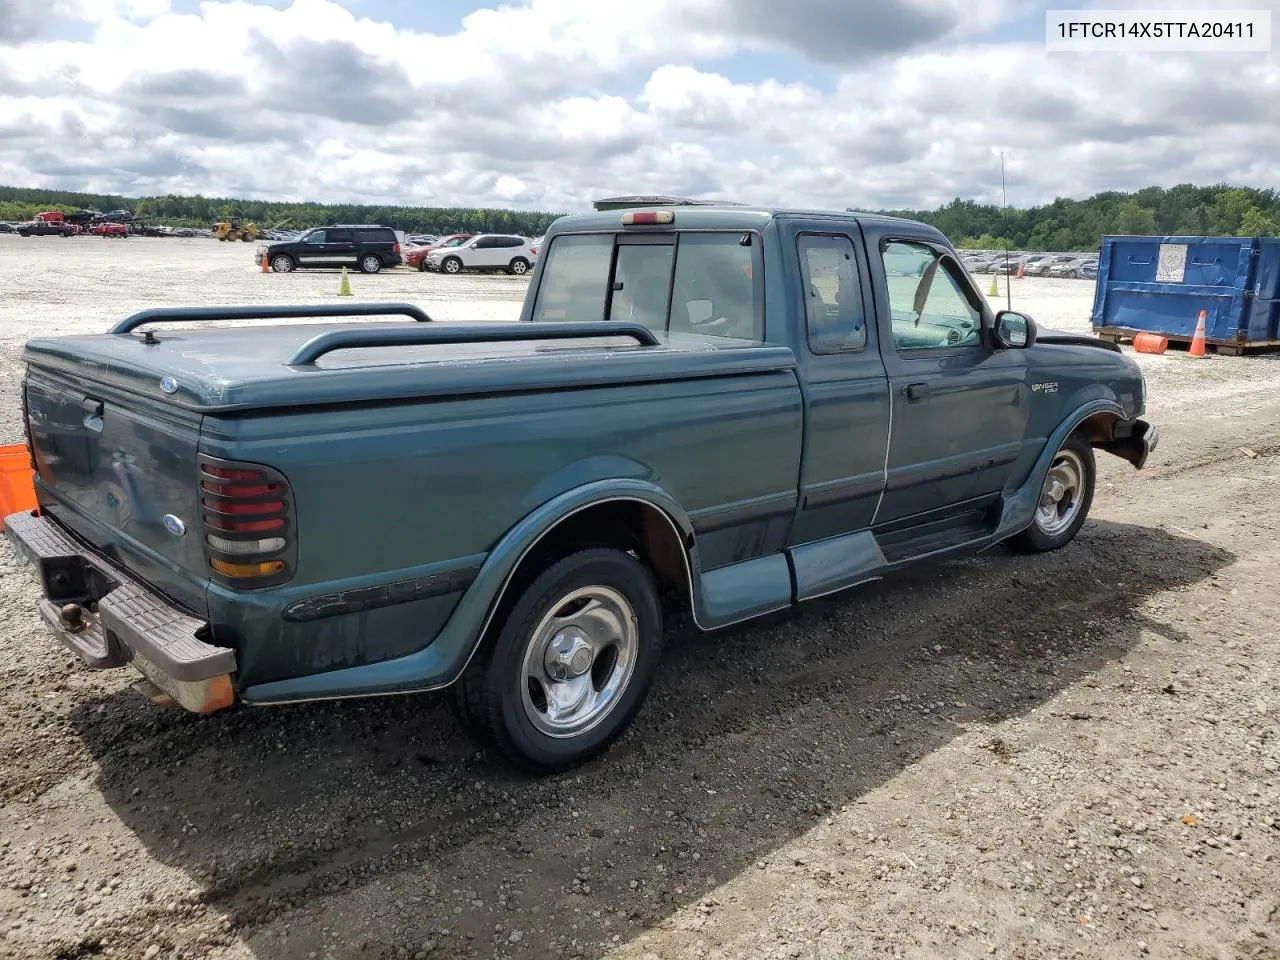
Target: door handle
{"x": 916, "y": 391}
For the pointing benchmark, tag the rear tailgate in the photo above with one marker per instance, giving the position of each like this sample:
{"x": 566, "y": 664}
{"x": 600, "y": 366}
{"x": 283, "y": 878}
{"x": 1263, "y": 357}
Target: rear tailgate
{"x": 110, "y": 466}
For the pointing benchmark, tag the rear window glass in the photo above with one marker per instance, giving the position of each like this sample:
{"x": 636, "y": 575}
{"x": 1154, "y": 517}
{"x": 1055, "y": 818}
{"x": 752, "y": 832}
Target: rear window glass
{"x": 574, "y": 277}
{"x": 704, "y": 283}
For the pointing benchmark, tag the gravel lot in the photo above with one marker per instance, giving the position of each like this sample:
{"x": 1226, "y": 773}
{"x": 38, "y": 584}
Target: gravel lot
{"x": 1072, "y": 755}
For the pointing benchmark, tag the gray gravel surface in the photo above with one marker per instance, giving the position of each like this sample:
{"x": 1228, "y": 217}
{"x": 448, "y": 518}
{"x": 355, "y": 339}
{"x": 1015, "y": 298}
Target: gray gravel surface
{"x": 1049, "y": 757}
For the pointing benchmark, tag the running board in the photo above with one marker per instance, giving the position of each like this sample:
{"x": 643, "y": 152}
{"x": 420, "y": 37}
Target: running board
{"x": 940, "y": 531}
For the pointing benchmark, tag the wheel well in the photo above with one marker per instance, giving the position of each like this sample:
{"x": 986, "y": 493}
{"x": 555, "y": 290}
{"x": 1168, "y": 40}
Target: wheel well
{"x": 629, "y": 525}
{"x": 1098, "y": 428}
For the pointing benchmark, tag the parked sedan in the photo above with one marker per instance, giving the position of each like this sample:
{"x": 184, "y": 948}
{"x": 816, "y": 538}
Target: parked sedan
{"x": 1043, "y": 266}
{"x": 1071, "y": 268}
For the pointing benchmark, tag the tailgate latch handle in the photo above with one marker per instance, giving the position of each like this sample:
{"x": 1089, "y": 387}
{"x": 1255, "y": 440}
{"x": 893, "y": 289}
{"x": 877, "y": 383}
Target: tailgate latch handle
{"x": 92, "y": 407}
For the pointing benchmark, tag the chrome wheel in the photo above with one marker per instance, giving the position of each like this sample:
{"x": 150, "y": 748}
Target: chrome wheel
{"x": 452, "y": 265}
{"x": 1062, "y": 494}
{"x": 579, "y": 661}
{"x": 282, "y": 264}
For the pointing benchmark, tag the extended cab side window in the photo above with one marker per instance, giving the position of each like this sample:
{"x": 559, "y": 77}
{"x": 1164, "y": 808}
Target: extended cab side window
{"x": 832, "y": 294}
{"x": 927, "y": 301}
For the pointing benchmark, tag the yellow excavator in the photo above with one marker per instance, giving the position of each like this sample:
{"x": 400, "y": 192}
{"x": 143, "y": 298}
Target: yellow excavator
{"x": 232, "y": 230}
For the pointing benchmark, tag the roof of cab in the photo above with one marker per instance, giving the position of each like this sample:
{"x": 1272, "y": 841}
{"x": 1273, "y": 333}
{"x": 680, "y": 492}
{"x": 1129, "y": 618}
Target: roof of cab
{"x": 723, "y": 216}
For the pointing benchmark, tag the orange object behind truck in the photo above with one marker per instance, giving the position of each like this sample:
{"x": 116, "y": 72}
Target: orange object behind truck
{"x": 17, "y": 484}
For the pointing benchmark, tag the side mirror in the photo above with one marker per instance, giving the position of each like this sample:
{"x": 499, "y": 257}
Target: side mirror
{"x": 1013, "y": 330}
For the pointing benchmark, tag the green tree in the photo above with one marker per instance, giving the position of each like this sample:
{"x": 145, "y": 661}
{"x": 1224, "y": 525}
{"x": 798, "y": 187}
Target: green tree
{"x": 1255, "y": 223}
{"x": 1135, "y": 220}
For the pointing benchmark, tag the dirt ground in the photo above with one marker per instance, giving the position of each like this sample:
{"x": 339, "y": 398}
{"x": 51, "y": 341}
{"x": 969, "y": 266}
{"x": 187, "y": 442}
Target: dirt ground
{"x": 1072, "y": 755}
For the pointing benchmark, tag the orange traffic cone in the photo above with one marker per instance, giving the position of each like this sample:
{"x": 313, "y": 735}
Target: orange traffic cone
{"x": 1197, "y": 341}
{"x": 1018, "y": 276}
{"x": 265, "y": 268}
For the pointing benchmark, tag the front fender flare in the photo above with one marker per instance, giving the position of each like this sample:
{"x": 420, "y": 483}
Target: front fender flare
{"x": 1020, "y": 506}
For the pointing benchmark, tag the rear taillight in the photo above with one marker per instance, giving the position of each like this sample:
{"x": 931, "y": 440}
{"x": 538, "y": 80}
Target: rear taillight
{"x": 395, "y": 248}
{"x": 249, "y": 534}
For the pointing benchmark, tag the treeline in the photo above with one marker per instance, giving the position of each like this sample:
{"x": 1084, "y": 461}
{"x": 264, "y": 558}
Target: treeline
{"x": 1061, "y": 225}
{"x": 1067, "y": 225}
{"x": 17, "y": 203}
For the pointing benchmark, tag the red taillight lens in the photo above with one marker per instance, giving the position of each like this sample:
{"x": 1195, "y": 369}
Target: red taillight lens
{"x": 396, "y": 248}
{"x": 248, "y": 524}
{"x": 229, "y": 506}
{"x": 234, "y": 490}
{"x": 227, "y": 473}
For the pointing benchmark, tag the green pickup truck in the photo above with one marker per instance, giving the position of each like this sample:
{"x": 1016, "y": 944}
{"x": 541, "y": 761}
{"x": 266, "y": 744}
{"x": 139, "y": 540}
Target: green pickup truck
{"x": 717, "y": 409}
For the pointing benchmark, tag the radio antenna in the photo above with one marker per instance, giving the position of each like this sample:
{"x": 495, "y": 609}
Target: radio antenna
{"x": 1008, "y": 287}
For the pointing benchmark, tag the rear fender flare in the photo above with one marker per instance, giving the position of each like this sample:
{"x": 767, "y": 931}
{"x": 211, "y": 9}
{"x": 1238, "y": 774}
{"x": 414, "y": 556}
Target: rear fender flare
{"x": 472, "y": 617}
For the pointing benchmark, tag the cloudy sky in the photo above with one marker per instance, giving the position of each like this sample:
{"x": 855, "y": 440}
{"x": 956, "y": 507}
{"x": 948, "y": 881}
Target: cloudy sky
{"x": 547, "y": 104}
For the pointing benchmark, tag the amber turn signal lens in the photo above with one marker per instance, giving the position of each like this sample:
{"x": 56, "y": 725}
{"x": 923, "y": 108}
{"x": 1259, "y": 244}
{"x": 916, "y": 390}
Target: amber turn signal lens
{"x": 246, "y": 570}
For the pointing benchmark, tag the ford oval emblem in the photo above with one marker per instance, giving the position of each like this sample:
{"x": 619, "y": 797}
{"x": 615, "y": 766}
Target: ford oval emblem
{"x": 169, "y": 385}
{"x": 174, "y": 525}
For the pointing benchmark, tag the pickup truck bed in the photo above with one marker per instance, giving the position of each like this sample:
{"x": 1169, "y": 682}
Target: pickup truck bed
{"x": 311, "y": 510}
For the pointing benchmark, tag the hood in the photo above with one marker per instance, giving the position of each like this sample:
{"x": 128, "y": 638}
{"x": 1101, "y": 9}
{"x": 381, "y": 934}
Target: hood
{"x": 1063, "y": 338}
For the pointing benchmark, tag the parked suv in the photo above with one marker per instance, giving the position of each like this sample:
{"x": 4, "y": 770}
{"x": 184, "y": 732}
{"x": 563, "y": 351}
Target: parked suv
{"x": 489, "y": 251}
{"x": 368, "y": 247}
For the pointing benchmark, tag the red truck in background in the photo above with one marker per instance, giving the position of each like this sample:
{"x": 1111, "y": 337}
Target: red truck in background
{"x": 49, "y": 223}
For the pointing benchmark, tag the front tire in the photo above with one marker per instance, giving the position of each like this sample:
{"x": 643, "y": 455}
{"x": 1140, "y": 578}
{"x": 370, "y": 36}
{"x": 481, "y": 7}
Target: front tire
{"x": 1064, "y": 501}
{"x": 451, "y": 265}
{"x": 570, "y": 666}
{"x": 282, "y": 263}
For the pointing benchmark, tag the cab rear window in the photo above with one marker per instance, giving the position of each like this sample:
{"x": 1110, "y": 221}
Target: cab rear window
{"x": 695, "y": 282}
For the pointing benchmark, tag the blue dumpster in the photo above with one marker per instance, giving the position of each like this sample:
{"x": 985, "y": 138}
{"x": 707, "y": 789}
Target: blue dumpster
{"x": 1160, "y": 285}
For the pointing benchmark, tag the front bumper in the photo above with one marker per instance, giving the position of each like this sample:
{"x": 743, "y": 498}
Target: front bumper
{"x": 108, "y": 619}
{"x": 1132, "y": 440}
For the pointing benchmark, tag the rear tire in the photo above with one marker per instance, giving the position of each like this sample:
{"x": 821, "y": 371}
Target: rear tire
{"x": 1064, "y": 501}
{"x": 518, "y": 267}
{"x": 570, "y": 666}
{"x": 370, "y": 263}
{"x": 422, "y": 265}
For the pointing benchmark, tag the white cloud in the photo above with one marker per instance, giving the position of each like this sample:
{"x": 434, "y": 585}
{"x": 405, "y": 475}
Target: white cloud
{"x": 550, "y": 103}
